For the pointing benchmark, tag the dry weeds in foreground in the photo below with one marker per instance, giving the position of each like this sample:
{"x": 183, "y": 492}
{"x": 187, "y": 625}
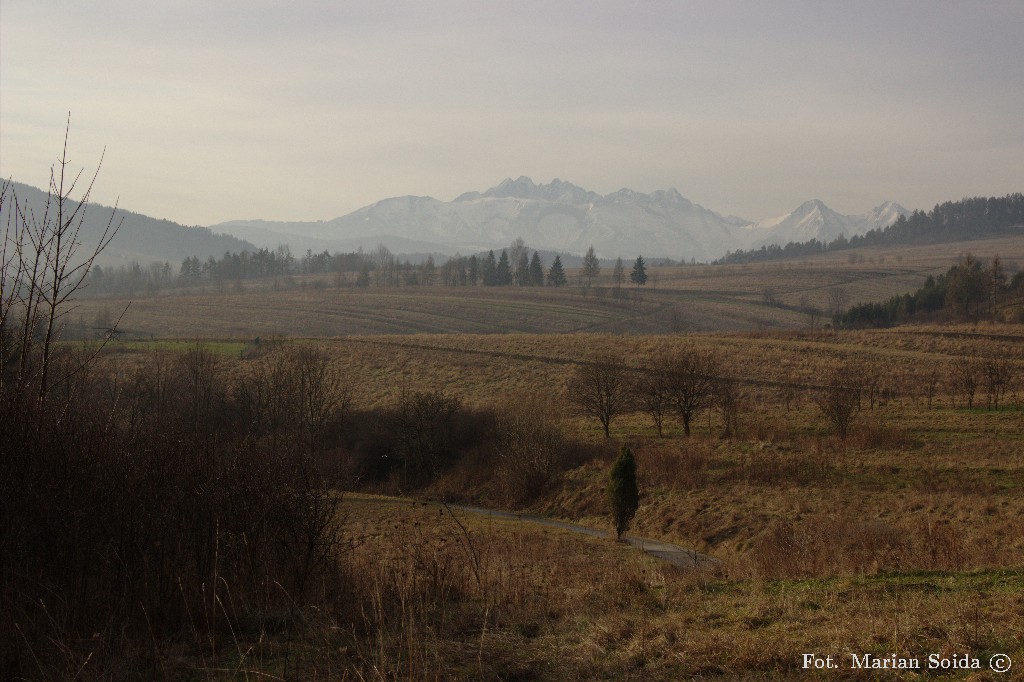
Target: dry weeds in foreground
{"x": 441, "y": 597}
{"x": 903, "y": 538}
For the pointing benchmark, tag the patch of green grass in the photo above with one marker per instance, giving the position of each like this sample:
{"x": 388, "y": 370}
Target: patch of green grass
{"x": 224, "y": 348}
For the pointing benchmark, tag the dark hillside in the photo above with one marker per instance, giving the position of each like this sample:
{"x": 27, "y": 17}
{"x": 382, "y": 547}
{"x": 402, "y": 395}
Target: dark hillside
{"x": 141, "y": 237}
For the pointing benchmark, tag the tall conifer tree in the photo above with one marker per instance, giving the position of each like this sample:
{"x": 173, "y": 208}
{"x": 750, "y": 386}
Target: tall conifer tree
{"x": 623, "y": 496}
{"x": 536, "y": 272}
{"x": 639, "y": 274}
{"x": 556, "y": 275}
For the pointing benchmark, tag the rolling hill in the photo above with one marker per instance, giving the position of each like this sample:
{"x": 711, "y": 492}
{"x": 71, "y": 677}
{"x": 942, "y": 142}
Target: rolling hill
{"x": 140, "y": 238}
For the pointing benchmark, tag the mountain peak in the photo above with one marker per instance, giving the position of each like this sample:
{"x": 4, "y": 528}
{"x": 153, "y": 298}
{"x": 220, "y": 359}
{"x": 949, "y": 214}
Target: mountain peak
{"x": 887, "y": 213}
{"x": 523, "y": 187}
{"x": 668, "y": 196}
{"x": 887, "y": 206}
{"x": 809, "y": 206}
{"x": 814, "y": 220}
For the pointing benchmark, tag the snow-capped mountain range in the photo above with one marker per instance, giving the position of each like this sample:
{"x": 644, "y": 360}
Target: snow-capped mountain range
{"x": 561, "y": 217}
{"x": 814, "y": 220}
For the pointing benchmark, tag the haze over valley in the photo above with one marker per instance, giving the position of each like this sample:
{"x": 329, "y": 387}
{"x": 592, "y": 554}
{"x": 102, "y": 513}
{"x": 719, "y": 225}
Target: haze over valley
{"x": 562, "y": 217}
{"x": 557, "y": 217}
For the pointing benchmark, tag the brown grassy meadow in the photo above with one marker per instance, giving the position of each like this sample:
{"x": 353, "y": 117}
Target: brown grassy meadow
{"x": 474, "y": 598}
{"x": 905, "y": 537}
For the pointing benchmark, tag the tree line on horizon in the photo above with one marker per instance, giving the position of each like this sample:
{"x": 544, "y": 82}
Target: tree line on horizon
{"x": 381, "y": 268}
{"x": 952, "y": 221}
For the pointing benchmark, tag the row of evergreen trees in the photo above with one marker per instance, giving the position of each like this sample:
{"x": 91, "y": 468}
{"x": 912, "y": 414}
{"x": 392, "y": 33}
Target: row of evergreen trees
{"x": 266, "y": 263}
{"x": 504, "y": 270}
{"x": 515, "y": 266}
{"x": 521, "y": 270}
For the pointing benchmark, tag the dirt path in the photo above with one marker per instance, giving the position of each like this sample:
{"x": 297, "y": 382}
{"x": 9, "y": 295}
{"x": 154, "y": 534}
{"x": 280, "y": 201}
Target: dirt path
{"x": 674, "y": 554}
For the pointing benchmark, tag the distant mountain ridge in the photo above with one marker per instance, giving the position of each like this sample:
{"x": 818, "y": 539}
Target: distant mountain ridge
{"x": 562, "y": 217}
{"x": 140, "y": 238}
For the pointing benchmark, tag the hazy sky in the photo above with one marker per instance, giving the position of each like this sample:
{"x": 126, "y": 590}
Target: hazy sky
{"x": 304, "y": 110}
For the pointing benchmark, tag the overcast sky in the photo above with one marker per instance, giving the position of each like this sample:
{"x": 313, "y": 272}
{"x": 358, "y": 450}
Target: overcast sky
{"x": 305, "y": 110}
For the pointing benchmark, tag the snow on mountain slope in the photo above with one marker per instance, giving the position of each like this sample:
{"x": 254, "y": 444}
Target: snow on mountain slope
{"x": 886, "y": 214}
{"x": 563, "y": 217}
{"x": 815, "y": 220}
{"x": 558, "y": 216}
{"x": 811, "y": 220}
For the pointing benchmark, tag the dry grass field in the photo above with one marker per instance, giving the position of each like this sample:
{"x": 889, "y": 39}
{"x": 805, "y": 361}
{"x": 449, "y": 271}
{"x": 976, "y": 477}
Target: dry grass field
{"x": 903, "y": 538}
{"x": 698, "y": 298}
{"x": 486, "y": 369}
{"x": 448, "y": 595}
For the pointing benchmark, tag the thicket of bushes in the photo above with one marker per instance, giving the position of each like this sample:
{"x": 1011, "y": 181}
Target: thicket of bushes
{"x": 172, "y": 499}
{"x": 147, "y": 506}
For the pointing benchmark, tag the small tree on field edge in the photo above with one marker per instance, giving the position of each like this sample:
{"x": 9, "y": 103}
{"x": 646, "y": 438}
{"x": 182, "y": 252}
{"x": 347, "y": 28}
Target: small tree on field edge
{"x": 623, "y": 496}
{"x": 591, "y": 267}
{"x": 639, "y": 274}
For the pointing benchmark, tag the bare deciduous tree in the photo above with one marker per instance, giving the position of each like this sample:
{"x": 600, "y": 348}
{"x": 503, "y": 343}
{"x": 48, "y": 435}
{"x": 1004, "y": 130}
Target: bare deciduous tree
{"x": 838, "y": 399}
{"x": 42, "y": 270}
{"x": 964, "y": 375}
{"x": 293, "y": 391}
{"x": 867, "y": 379}
{"x": 423, "y": 425}
{"x": 600, "y": 388}
{"x": 591, "y": 268}
{"x": 266, "y": 396}
{"x": 650, "y": 393}
{"x": 530, "y": 449}
{"x": 690, "y": 377}
{"x": 996, "y": 280}
{"x": 729, "y": 397}
{"x": 811, "y": 312}
{"x": 321, "y": 392}
{"x": 930, "y": 381}
{"x": 517, "y": 255}
{"x": 998, "y": 374}
{"x": 619, "y": 273}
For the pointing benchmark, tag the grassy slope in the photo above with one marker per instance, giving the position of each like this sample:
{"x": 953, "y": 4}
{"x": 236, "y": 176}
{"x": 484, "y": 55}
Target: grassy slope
{"x": 923, "y": 504}
{"x": 504, "y": 600}
{"x": 906, "y": 467}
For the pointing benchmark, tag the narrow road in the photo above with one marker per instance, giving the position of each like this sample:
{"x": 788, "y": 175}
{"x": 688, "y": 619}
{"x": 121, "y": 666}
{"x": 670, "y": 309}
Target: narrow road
{"x": 674, "y": 554}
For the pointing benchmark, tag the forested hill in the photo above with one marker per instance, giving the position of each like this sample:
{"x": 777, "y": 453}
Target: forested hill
{"x": 140, "y": 238}
{"x": 953, "y": 221}
{"x": 970, "y": 291}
